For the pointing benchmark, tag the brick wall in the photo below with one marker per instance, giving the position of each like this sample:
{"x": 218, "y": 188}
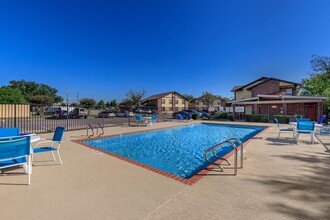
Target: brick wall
{"x": 268, "y": 88}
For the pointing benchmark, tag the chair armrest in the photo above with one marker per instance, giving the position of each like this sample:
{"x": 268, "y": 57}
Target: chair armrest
{"x": 42, "y": 142}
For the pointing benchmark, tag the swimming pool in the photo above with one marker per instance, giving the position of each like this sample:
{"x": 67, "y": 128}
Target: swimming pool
{"x": 179, "y": 151}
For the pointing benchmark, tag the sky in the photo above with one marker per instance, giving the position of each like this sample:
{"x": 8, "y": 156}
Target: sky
{"x": 102, "y": 49}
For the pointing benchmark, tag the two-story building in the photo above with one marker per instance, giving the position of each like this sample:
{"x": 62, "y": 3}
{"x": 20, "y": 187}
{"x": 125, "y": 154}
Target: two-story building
{"x": 167, "y": 102}
{"x": 272, "y": 96}
{"x": 199, "y": 104}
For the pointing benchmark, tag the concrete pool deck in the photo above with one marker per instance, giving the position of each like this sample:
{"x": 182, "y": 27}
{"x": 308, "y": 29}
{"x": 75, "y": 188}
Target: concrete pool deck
{"x": 280, "y": 180}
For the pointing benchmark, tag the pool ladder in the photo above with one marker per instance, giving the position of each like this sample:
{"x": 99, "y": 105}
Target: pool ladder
{"x": 98, "y": 126}
{"x": 235, "y": 143}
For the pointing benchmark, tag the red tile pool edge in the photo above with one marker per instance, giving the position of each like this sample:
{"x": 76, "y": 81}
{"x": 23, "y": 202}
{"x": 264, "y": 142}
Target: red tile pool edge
{"x": 189, "y": 181}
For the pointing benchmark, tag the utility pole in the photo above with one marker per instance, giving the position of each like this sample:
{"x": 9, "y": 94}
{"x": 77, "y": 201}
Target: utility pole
{"x": 77, "y": 98}
{"x": 67, "y": 108}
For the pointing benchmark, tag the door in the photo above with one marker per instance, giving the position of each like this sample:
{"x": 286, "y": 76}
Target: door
{"x": 310, "y": 112}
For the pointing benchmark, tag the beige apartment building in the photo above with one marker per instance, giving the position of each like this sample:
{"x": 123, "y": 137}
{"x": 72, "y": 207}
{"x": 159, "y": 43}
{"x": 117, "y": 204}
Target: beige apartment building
{"x": 199, "y": 104}
{"x": 167, "y": 102}
{"x": 271, "y": 96}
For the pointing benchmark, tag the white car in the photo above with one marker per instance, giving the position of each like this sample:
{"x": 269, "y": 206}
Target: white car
{"x": 125, "y": 114}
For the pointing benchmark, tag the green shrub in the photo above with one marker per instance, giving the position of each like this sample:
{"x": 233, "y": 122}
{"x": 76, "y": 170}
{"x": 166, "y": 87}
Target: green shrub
{"x": 256, "y": 118}
{"x": 231, "y": 117}
{"x": 221, "y": 115}
{"x": 284, "y": 119}
{"x": 194, "y": 116}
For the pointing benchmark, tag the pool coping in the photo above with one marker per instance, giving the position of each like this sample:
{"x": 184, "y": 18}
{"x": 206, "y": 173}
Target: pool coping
{"x": 189, "y": 181}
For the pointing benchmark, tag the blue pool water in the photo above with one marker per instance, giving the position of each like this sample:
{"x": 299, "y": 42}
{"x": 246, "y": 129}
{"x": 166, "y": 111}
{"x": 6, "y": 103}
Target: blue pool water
{"x": 179, "y": 151}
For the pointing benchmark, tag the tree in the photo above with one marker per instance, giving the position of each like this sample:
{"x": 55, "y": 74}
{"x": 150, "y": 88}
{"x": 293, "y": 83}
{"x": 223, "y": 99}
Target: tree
{"x": 134, "y": 97}
{"x": 113, "y": 103}
{"x": 208, "y": 98}
{"x": 101, "y": 104}
{"x": 41, "y": 100}
{"x": 87, "y": 103}
{"x": 11, "y": 96}
{"x": 29, "y": 89}
{"x": 319, "y": 81}
{"x": 73, "y": 104}
{"x": 189, "y": 97}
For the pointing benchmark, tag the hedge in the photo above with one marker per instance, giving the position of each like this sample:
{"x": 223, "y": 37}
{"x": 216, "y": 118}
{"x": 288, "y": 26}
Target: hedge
{"x": 256, "y": 118}
{"x": 282, "y": 118}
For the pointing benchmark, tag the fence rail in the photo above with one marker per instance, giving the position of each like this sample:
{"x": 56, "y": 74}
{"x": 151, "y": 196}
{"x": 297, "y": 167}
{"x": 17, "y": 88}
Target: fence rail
{"x": 34, "y": 119}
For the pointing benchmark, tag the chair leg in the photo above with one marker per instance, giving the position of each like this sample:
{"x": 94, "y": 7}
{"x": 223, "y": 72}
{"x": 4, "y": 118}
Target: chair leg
{"x": 59, "y": 157}
{"x": 53, "y": 155}
{"x": 297, "y": 136}
{"x": 29, "y": 168}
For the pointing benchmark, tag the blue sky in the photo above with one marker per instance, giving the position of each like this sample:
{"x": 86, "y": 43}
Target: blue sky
{"x": 102, "y": 49}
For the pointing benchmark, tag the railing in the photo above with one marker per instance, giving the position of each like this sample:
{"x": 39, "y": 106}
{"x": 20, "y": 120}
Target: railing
{"x": 235, "y": 143}
{"x": 36, "y": 119}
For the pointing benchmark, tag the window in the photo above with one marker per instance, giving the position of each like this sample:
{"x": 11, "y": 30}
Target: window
{"x": 204, "y": 103}
{"x": 197, "y": 102}
{"x": 170, "y": 101}
{"x": 163, "y": 101}
{"x": 176, "y": 101}
{"x": 163, "y": 109}
{"x": 289, "y": 92}
{"x": 176, "y": 109}
{"x": 183, "y": 101}
{"x": 170, "y": 109}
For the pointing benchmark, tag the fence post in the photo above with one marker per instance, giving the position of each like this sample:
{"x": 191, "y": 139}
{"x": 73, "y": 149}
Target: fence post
{"x": 15, "y": 115}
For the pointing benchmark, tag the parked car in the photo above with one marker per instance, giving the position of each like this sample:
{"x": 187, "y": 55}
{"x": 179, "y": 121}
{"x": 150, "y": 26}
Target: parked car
{"x": 125, "y": 114}
{"x": 106, "y": 114}
{"x": 60, "y": 114}
{"x": 183, "y": 113}
{"x": 204, "y": 114}
{"x": 51, "y": 110}
{"x": 79, "y": 113}
{"x": 191, "y": 112}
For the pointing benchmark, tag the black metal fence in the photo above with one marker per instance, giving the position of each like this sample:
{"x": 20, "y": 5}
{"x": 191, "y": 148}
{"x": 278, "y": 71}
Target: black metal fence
{"x": 43, "y": 119}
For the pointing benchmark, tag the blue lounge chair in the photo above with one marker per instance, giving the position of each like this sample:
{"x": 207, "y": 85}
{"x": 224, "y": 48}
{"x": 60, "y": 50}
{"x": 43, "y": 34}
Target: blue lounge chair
{"x": 302, "y": 119}
{"x": 323, "y": 136}
{"x": 9, "y": 132}
{"x": 305, "y": 127}
{"x": 153, "y": 119}
{"x": 182, "y": 119}
{"x": 15, "y": 151}
{"x": 289, "y": 129}
{"x": 139, "y": 120}
{"x": 321, "y": 119}
{"x": 57, "y": 139}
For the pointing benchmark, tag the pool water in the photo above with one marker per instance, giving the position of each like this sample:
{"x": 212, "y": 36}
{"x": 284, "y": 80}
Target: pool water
{"x": 179, "y": 151}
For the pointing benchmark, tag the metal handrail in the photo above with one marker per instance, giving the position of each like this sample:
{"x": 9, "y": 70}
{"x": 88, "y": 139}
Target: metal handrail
{"x": 235, "y": 140}
{"x": 232, "y": 142}
{"x": 97, "y": 131}
{"x": 90, "y": 128}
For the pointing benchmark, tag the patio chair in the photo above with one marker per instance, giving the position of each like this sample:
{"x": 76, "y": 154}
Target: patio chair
{"x": 139, "y": 120}
{"x": 15, "y": 151}
{"x": 153, "y": 118}
{"x": 9, "y": 132}
{"x": 321, "y": 119}
{"x": 57, "y": 140}
{"x": 305, "y": 127}
{"x": 288, "y": 129}
{"x": 182, "y": 119}
{"x": 303, "y": 119}
{"x": 323, "y": 135}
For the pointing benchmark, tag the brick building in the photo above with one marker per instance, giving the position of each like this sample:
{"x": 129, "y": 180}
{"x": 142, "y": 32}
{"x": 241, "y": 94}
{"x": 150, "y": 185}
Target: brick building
{"x": 167, "y": 102}
{"x": 273, "y": 96}
{"x": 199, "y": 104}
